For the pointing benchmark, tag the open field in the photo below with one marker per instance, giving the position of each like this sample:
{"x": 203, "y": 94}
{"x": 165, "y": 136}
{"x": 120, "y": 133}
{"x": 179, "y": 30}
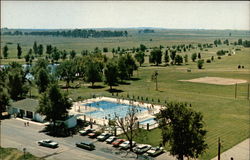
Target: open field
{"x": 224, "y": 116}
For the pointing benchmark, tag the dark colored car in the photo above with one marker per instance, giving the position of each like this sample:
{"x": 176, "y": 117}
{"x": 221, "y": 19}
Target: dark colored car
{"x": 86, "y": 145}
{"x": 87, "y": 131}
{"x": 117, "y": 142}
{"x": 48, "y": 143}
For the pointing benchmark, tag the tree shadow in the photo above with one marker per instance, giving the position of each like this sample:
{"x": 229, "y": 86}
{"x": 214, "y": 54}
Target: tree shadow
{"x": 135, "y": 79}
{"x": 124, "y": 83}
{"x": 113, "y": 90}
{"x": 96, "y": 87}
{"x": 70, "y": 87}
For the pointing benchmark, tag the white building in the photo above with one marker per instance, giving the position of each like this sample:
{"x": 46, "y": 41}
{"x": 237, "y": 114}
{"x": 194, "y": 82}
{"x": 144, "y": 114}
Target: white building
{"x": 26, "y": 108}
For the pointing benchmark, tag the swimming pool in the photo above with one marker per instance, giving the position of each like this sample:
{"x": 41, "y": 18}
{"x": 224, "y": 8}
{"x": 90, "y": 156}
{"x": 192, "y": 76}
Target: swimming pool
{"x": 150, "y": 121}
{"x": 108, "y": 109}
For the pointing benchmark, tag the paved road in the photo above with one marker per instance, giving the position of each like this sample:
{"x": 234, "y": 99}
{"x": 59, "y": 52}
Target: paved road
{"x": 239, "y": 152}
{"x": 15, "y": 134}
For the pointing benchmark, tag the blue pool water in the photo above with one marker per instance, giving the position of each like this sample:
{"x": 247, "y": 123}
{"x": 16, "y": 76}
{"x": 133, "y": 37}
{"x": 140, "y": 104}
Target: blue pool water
{"x": 150, "y": 121}
{"x": 109, "y": 109}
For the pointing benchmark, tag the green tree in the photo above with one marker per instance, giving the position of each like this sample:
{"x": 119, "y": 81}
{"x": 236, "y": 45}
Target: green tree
{"x": 111, "y": 73}
{"x": 93, "y": 72}
{"x": 186, "y": 58}
{"x": 143, "y": 47}
{"x": 193, "y": 57}
{"x": 155, "y": 56}
{"x": 182, "y": 128}
{"x": 40, "y": 64}
{"x": 42, "y": 80}
{"x": 166, "y": 57}
{"x": 200, "y": 63}
{"x": 178, "y": 59}
{"x": 28, "y": 57}
{"x": 199, "y": 55}
{"x": 49, "y": 50}
{"x": 172, "y": 56}
{"x": 55, "y": 54}
{"x": 35, "y": 48}
{"x": 54, "y": 104}
{"x": 4, "y": 96}
{"x": 139, "y": 56}
{"x": 131, "y": 65}
{"x": 105, "y": 49}
{"x": 16, "y": 81}
{"x": 122, "y": 68}
{"x": 5, "y": 51}
{"x": 40, "y": 50}
{"x": 240, "y": 42}
{"x": 67, "y": 71}
{"x": 72, "y": 54}
{"x": 64, "y": 54}
{"x": 19, "y": 51}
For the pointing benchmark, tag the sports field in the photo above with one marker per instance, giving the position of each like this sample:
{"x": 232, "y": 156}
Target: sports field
{"x": 225, "y": 116}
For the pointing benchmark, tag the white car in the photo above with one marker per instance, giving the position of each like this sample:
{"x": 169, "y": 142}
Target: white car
{"x": 111, "y": 139}
{"x": 48, "y": 143}
{"x": 155, "y": 151}
{"x": 126, "y": 145}
{"x": 103, "y": 136}
{"x": 141, "y": 148}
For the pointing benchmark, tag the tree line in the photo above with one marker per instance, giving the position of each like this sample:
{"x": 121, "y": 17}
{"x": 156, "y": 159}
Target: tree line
{"x": 81, "y": 33}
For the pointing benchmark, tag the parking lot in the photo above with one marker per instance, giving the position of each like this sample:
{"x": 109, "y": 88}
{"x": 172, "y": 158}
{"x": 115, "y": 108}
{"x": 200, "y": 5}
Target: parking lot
{"x": 14, "y": 134}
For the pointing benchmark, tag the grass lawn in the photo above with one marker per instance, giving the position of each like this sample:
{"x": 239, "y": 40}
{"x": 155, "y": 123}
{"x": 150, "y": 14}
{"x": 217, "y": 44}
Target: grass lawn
{"x": 224, "y": 116}
{"x": 14, "y": 154}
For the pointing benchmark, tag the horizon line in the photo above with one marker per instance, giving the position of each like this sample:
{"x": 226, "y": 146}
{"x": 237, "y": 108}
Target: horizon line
{"x": 126, "y": 28}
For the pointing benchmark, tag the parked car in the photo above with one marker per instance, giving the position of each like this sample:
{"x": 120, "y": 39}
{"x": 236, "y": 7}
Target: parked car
{"x": 103, "y": 136}
{"x": 111, "y": 139}
{"x": 155, "y": 151}
{"x": 87, "y": 131}
{"x": 48, "y": 143}
{"x": 126, "y": 145}
{"x": 117, "y": 142}
{"x": 93, "y": 134}
{"x": 86, "y": 145}
{"x": 141, "y": 148}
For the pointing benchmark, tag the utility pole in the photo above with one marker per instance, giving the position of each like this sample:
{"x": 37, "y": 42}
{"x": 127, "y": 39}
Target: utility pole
{"x": 248, "y": 91}
{"x": 235, "y": 92}
{"x": 219, "y": 148}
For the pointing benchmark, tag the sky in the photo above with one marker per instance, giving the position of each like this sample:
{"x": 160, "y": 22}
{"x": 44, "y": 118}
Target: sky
{"x": 125, "y": 14}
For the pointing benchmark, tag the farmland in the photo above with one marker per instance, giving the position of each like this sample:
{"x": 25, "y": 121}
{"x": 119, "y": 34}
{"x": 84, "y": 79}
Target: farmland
{"x": 225, "y": 116}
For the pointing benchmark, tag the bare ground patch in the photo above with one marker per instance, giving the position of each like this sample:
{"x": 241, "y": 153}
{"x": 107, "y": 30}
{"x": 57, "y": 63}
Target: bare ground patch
{"x": 216, "y": 80}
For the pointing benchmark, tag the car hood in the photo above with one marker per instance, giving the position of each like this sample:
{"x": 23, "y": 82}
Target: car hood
{"x": 53, "y": 143}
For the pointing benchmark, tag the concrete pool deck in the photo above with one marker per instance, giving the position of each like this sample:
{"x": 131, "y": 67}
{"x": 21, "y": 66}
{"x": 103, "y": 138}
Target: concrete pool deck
{"x": 80, "y": 108}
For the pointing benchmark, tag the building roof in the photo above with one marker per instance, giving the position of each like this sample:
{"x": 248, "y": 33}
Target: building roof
{"x": 26, "y": 104}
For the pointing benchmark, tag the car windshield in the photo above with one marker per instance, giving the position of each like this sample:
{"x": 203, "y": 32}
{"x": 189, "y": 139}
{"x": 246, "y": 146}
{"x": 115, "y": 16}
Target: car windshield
{"x": 142, "y": 146}
{"x": 47, "y": 141}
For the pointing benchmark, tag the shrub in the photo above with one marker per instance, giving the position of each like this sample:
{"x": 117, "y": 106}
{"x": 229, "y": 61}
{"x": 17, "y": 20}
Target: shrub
{"x": 221, "y": 52}
{"x": 219, "y": 57}
{"x": 208, "y": 61}
{"x": 200, "y": 63}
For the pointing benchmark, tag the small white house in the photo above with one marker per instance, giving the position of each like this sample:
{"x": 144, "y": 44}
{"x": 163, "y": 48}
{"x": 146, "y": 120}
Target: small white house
{"x": 26, "y": 108}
